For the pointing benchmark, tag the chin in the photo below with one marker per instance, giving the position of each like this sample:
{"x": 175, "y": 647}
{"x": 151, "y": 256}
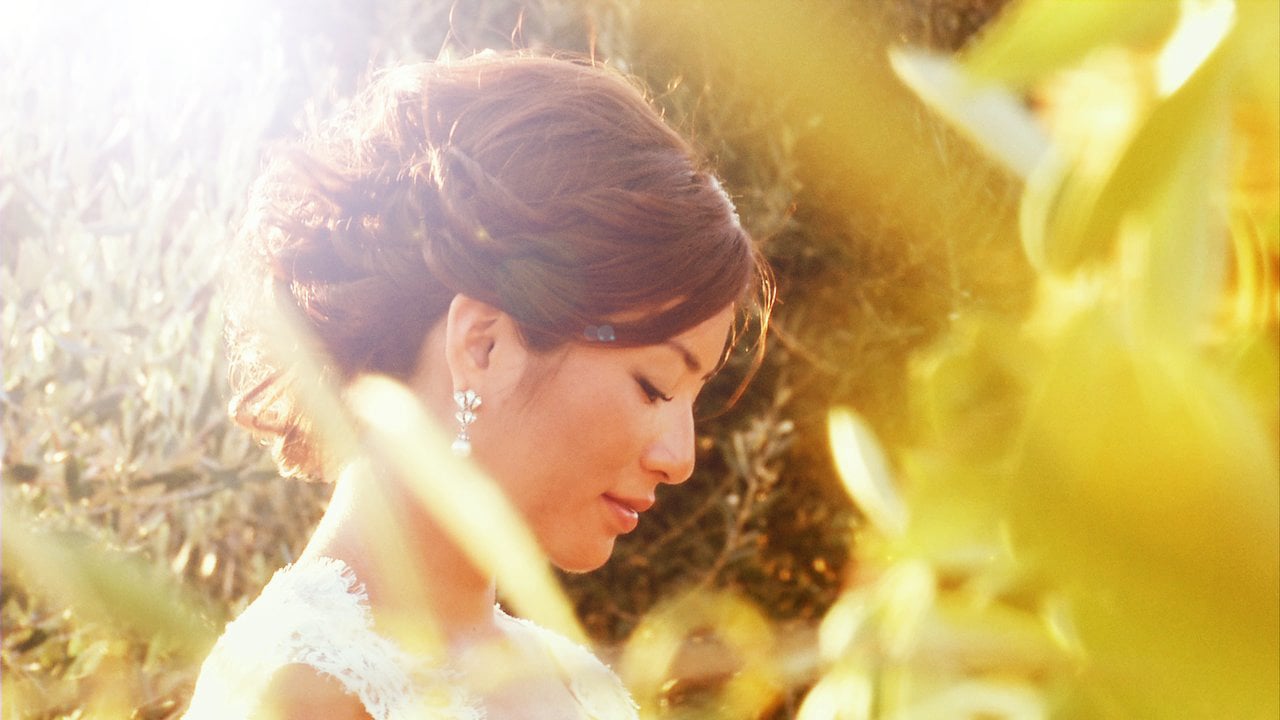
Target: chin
{"x": 582, "y": 559}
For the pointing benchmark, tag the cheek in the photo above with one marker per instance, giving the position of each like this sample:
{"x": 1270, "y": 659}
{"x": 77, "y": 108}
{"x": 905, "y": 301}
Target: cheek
{"x": 574, "y": 439}
{"x": 591, "y": 436}
{"x": 572, "y": 442}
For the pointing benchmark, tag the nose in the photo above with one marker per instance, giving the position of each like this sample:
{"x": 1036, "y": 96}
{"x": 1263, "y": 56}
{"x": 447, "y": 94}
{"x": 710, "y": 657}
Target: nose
{"x": 670, "y": 452}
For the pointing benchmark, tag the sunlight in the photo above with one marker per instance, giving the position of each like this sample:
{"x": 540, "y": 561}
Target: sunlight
{"x": 152, "y": 46}
{"x": 192, "y": 41}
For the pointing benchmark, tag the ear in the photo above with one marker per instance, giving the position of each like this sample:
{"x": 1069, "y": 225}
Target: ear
{"x": 477, "y": 338}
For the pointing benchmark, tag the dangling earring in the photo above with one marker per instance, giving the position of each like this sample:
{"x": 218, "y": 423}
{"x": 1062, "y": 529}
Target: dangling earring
{"x": 467, "y": 401}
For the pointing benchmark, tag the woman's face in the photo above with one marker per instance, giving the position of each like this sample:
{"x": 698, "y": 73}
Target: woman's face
{"x": 582, "y": 444}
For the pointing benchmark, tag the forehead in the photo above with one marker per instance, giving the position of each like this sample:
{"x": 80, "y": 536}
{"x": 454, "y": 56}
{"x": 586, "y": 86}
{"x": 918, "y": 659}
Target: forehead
{"x": 701, "y": 346}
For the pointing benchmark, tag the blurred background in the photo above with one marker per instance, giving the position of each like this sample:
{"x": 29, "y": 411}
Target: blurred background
{"x": 1014, "y": 449}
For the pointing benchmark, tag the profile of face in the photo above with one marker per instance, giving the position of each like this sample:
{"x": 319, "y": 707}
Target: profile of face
{"x": 581, "y": 437}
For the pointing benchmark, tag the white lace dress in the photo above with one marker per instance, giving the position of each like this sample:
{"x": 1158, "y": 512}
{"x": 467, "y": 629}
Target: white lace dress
{"x": 316, "y": 613}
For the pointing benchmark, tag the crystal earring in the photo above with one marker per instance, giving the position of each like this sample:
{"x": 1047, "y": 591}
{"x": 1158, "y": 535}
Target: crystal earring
{"x": 468, "y": 401}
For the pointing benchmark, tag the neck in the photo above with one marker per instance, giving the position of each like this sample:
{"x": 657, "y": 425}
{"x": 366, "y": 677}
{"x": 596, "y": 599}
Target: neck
{"x": 406, "y": 561}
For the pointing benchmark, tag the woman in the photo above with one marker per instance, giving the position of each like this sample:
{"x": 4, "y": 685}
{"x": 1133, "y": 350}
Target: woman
{"x": 528, "y": 248}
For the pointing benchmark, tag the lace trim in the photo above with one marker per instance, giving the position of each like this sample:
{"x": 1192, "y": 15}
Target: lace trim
{"x": 389, "y": 682}
{"x": 316, "y": 612}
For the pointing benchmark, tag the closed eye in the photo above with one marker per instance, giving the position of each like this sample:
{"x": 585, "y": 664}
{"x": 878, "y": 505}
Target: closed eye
{"x": 651, "y": 391}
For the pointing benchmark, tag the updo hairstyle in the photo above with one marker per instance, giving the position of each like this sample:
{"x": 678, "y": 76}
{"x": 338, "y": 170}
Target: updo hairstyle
{"x": 547, "y": 187}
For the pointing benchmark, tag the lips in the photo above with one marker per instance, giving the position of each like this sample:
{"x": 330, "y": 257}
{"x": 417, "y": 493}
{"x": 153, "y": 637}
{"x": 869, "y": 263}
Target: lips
{"x": 626, "y": 511}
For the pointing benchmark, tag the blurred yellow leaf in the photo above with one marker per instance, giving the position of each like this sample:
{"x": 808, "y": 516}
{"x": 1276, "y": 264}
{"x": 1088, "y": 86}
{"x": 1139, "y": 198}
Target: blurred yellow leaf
{"x": 1034, "y": 38}
{"x": 865, "y": 472}
{"x": 993, "y": 117}
{"x": 1092, "y": 112}
{"x": 648, "y": 664}
{"x": 843, "y": 623}
{"x": 843, "y": 694}
{"x": 1177, "y": 145}
{"x": 981, "y": 699}
{"x": 1147, "y": 490}
{"x": 906, "y": 595}
{"x": 991, "y": 637}
{"x": 119, "y": 590}
{"x": 1202, "y": 27}
{"x": 1255, "y": 208}
{"x": 1163, "y": 181}
{"x": 1259, "y": 86}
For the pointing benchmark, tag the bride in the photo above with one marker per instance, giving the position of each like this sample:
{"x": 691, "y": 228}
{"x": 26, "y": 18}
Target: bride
{"x": 526, "y": 246}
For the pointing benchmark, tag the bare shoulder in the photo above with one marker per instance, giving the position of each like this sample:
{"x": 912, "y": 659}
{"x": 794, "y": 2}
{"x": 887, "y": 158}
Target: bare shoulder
{"x": 300, "y": 691}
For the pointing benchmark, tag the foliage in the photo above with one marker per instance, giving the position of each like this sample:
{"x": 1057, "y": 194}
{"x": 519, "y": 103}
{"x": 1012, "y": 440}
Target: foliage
{"x": 1092, "y": 512}
{"x": 118, "y": 190}
{"x": 116, "y": 198}
{"x": 1040, "y": 386}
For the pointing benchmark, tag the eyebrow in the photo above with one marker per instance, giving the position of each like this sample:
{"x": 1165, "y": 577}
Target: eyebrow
{"x": 690, "y": 360}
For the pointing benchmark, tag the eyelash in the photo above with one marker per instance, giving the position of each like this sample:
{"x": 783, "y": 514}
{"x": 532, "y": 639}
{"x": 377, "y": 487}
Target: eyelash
{"x": 651, "y": 391}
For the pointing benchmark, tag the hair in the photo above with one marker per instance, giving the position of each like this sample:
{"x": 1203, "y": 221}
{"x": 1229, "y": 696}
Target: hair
{"x": 547, "y": 187}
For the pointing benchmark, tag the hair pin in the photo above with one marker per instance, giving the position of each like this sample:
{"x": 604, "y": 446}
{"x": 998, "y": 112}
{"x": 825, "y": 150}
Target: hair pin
{"x": 600, "y": 333}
